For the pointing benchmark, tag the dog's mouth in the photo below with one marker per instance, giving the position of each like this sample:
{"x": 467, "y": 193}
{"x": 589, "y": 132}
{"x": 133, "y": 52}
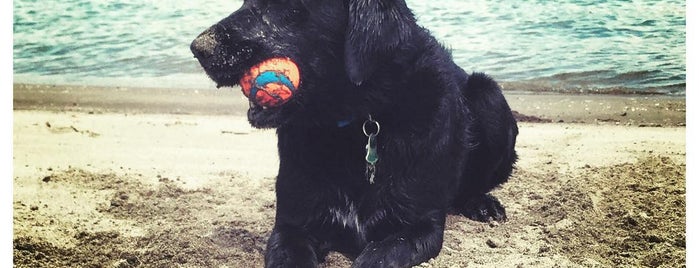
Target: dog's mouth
{"x": 269, "y": 82}
{"x": 272, "y": 82}
{"x": 268, "y": 117}
{"x": 270, "y": 86}
{"x": 225, "y": 72}
{"x": 267, "y": 102}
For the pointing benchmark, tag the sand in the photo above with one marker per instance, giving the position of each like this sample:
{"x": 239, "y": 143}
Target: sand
{"x": 126, "y": 177}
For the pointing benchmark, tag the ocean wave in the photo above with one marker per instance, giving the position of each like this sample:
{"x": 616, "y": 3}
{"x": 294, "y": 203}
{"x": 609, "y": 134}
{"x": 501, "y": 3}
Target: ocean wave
{"x": 602, "y": 82}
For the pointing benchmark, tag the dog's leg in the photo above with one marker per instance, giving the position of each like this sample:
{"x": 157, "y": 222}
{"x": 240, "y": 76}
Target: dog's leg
{"x": 290, "y": 247}
{"x": 411, "y": 246}
{"x": 483, "y": 208}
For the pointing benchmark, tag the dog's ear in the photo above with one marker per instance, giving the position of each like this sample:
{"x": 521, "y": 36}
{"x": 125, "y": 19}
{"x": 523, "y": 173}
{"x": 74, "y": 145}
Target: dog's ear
{"x": 374, "y": 29}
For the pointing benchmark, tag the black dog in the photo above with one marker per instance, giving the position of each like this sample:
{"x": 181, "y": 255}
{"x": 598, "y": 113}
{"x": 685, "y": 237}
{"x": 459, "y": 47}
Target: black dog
{"x": 444, "y": 138}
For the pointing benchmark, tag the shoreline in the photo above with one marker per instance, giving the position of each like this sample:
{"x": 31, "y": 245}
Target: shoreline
{"x": 628, "y": 110}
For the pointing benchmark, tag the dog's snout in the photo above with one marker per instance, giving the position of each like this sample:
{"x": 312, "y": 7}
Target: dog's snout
{"x": 203, "y": 46}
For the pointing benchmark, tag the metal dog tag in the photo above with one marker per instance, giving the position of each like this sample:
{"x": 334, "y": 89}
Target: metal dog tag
{"x": 372, "y": 153}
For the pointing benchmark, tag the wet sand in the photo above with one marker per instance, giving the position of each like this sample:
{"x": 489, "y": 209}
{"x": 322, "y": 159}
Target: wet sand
{"x": 125, "y": 177}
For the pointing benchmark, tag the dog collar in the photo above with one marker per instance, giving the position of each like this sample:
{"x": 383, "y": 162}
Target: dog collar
{"x": 345, "y": 122}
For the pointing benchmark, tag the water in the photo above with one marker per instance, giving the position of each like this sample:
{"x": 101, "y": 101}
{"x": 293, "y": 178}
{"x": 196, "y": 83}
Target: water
{"x": 627, "y": 46}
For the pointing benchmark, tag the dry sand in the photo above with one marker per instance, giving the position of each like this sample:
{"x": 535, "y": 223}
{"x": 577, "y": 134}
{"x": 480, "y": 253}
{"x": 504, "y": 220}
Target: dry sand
{"x": 117, "y": 177}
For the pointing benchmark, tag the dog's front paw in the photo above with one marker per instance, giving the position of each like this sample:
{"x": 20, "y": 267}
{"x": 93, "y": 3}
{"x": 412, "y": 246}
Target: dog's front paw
{"x": 484, "y": 208}
{"x": 287, "y": 247}
{"x": 287, "y": 259}
{"x": 385, "y": 254}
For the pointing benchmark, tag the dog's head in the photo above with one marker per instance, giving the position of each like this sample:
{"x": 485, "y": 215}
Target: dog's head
{"x": 337, "y": 44}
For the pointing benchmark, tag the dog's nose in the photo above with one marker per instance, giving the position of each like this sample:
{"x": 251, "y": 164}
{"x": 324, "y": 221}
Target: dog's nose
{"x": 203, "y": 46}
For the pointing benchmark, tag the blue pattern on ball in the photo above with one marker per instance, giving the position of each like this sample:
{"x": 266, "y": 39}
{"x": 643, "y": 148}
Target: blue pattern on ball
{"x": 270, "y": 77}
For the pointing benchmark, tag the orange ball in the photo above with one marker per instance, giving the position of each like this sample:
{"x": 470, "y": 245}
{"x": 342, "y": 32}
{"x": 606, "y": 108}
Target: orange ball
{"x": 272, "y": 82}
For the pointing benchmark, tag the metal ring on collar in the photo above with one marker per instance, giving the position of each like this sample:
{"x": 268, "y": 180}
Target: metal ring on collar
{"x": 371, "y": 120}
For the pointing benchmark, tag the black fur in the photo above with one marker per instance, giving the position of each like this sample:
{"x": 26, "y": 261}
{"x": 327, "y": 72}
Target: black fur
{"x": 447, "y": 138}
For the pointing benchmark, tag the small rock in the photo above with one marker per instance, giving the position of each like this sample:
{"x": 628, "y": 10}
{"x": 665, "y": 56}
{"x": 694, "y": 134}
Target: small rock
{"x": 492, "y": 243}
{"x": 34, "y": 208}
{"x": 46, "y": 179}
{"x": 544, "y": 249}
{"x": 654, "y": 238}
{"x": 117, "y": 202}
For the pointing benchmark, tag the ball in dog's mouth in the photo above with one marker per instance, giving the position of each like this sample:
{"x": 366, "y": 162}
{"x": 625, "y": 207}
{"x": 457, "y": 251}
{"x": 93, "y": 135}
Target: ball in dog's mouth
{"x": 271, "y": 83}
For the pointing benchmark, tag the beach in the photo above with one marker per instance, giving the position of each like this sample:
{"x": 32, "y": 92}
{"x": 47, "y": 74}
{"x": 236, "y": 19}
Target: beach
{"x": 145, "y": 177}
